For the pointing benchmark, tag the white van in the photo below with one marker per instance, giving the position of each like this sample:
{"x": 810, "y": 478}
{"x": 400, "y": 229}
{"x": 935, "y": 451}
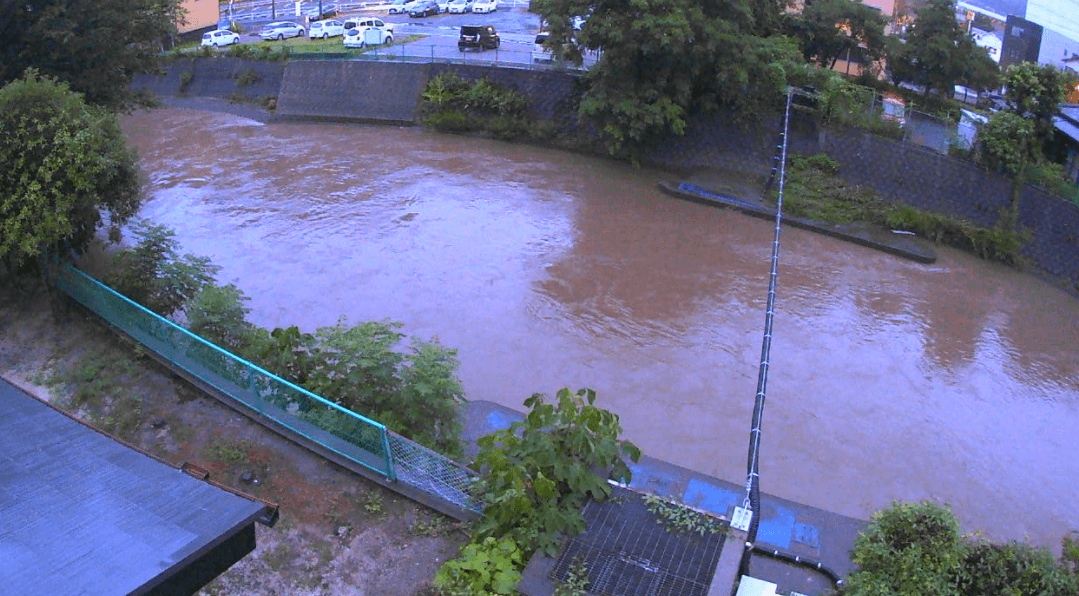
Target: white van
{"x": 362, "y": 23}
{"x": 540, "y": 53}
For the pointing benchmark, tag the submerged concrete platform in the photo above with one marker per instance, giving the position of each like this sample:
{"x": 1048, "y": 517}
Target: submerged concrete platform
{"x": 901, "y": 244}
{"x": 798, "y": 529}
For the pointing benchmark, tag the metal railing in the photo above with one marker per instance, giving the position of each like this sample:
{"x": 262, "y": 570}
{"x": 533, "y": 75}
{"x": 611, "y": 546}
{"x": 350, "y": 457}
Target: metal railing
{"x": 346, "y": 433}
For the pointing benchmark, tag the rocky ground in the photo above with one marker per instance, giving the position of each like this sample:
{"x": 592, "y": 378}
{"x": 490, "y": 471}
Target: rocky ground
{"x": 338, "y": 533}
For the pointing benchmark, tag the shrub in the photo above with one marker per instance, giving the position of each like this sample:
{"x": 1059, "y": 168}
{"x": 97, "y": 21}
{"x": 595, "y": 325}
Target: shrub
{"x": 538, "y": 473}
{"x": 185, "y": 79}
{"x": 1051, "y": 178}
{"x": 1013, "y": 569}
{"x": 911, "y": 549}
{"x": 218, "y": 315}
{"x": 449, "y": 121}
{"x": 491, "y": 566}
{"x": 236, "y": 28}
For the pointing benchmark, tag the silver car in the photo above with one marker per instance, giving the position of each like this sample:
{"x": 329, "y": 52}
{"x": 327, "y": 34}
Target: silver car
{"x": 281, "y": 30}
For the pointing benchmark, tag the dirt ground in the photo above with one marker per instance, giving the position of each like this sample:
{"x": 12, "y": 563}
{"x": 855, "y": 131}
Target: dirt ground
{"x": 338, "y": 533}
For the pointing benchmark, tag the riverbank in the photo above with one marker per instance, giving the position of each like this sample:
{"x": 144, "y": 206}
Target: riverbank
{"x": 339, "y": 533}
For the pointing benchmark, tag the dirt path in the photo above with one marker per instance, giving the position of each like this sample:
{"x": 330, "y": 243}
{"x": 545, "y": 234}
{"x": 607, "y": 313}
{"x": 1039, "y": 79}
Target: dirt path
{"x": 339, "y": 533}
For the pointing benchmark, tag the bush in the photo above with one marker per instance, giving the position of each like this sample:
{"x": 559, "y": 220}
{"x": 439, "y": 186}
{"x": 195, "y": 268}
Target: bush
{"x": 1014, "y": 569}
{"x": 538, "y": 473}
{"x": 452, "y": 121}
{"x": 185, "y": 79}
{"x": 218, "y": 315}
{"x": 1051, "y": 178}
{"x": 487, "y": 567}
{"x": 911, "y": 549}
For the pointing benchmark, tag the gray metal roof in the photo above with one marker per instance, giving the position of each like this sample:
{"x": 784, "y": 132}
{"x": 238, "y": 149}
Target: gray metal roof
{"x": 1067, "y": 128}
{"x": 998, "y": 9}
{"x": 83, "y": 514}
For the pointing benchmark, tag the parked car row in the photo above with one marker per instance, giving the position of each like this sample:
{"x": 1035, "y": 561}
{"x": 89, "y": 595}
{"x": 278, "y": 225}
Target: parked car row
{"x": 422, "y": 8}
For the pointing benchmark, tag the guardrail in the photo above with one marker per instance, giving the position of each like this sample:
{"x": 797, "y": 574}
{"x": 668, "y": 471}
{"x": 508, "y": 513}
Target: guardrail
{"x": 271, "y": 10}
{"x": 345, "y": 433}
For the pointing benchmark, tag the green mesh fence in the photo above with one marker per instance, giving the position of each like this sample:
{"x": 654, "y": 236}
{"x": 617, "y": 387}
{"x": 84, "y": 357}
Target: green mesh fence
{"x": 328, "y": 424}
{"x": 433, "y": 473}
{"x": 364, "y": 441}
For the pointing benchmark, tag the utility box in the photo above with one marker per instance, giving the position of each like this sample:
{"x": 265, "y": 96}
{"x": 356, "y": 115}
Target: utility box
{"x": 751, "y": 586}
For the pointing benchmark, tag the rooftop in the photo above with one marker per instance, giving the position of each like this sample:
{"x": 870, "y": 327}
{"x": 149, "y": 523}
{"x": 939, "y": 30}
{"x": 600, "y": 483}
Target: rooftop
{"x": 81, "y": 513}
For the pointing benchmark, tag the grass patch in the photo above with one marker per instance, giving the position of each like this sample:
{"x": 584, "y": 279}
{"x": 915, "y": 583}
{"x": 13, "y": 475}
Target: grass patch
{"x": 278, "y": 556}
{"x": 815, "y": 191}
{"x": 228, "y": 452}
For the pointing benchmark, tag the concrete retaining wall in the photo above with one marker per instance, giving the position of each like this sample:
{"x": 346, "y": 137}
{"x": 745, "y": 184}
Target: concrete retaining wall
{"x": 903, "y": 173}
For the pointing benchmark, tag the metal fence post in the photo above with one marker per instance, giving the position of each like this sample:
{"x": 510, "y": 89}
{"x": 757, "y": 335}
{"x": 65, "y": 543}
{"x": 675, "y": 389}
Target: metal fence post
{"x": 391, "y": 469}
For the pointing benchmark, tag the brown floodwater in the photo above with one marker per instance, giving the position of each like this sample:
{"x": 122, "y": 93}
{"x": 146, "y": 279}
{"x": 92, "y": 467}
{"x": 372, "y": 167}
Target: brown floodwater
{"x": 889, "y": 379}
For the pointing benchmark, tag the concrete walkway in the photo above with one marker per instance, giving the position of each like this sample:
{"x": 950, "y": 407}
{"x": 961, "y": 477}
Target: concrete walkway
{"x": 798, "y": 529}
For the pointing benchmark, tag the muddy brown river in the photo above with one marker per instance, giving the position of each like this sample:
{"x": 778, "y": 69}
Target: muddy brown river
{"x": 956, "y": 381}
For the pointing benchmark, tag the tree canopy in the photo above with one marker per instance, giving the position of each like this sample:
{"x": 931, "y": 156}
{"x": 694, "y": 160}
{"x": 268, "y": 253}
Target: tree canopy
{"x": 828, "y": 29}
{"x": 65, "y": 163}
{"x": 95, "y": 46}
{"x": 662, "y": 59}
{"x": 1035, "y": 93}
{"x": 937, "y": 54}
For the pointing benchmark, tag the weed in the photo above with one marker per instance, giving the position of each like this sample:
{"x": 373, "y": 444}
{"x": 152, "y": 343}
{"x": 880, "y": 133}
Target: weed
{"x": 681, "y": 518}
{"x": 324, "y": 550}
{"x": 278, "y": 556}
{"x": 431, "y": 525}
{"x": 373, "y": 503}
{"x": 185, "y": 79}
{"x": 576, "y": 582}
{"x": 229, "y": 453}
{"x": 247, "y": 77}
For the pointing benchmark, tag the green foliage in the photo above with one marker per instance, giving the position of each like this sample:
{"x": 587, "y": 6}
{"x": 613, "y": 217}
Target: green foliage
{"x": 64, "y": 164}
{"x": 247, "y": 77}
{"x": 1014, "y": 569}
{"x": 995, "y": 244}
{"x": 487, "y": 567}
{"x": 1005, "y": 143}
{"x": 95, "y": 47}
{"x": 1052, "y": 178}
{"x": 538, "y": 473}
{"x": 910, "y": 549}
{"x": 827, "y": 30}
{"x": 938, "y": 53}
{"x": 1035, "y": 92}
{"x": 414, "y": 393}
{"x": 452, "y": 104}
{"x": 235, "y": 27}
{"x": 814, "y": 191}
{"x": 185, "y": 80}
{"x": 154, "y": 275}
{"x": 661, "y": 60}
{"x": 451, "y": 121}
{"x": 218, "y": 315}
{"x": 576, "y": 582}
{"x": 680, "y": 518}
{"x": 373, "y": 503}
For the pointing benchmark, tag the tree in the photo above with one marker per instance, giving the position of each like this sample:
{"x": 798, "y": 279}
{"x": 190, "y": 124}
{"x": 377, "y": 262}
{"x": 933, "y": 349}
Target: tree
{"x": 829, "y": 29}
{"x": 937, "y": 53}
{"x": 1035, "y": 93}
{"x": 65, "y": 164}
{"x": 96, "y": 46}
{"x": 155, "y": 275}
{"x": 664, "y": 59}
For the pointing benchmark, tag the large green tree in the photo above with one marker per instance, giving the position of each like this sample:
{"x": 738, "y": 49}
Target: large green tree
{"x": 937, "y": 54}
{"x": 829, "y": 29}
{"x": 1035, "y": 92}
{"x": 64, "y": 164}
{"x": 96, "y": 46}
{"x": 660, "y": 60}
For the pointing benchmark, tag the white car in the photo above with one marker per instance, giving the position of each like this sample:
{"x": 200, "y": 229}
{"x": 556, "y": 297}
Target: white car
{"x": 325, "y": 29}
{"x": 443, "y": 5}
{"x": 460, "y": 6}
{"x": 482, "y": 6}
{"x": 365, "y": 22}
{"x": 221, "y": 37}
{"x": 281, "y": 30}
{"x": 370, "y": 36}
{"x": 402, "y": 6}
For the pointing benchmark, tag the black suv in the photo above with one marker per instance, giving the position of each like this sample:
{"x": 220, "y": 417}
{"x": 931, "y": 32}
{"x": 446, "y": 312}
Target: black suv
{"x": 482, "y": 37}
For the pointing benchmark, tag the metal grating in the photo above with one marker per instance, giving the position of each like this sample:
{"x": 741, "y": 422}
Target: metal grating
{"x": 629, "y": 552}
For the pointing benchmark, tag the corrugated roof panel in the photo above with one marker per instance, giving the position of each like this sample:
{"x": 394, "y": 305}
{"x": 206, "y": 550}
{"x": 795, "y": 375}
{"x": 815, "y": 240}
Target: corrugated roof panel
{"x": 83, "y": 514}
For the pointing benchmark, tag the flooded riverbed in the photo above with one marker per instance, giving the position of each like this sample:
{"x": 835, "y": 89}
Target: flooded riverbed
{"x": 889, "y": 379}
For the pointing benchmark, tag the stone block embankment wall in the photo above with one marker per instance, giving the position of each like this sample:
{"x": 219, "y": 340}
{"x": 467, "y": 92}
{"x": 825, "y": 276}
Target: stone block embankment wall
{"x": 216, "y": 77}
{"x": 902, "y": 173}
